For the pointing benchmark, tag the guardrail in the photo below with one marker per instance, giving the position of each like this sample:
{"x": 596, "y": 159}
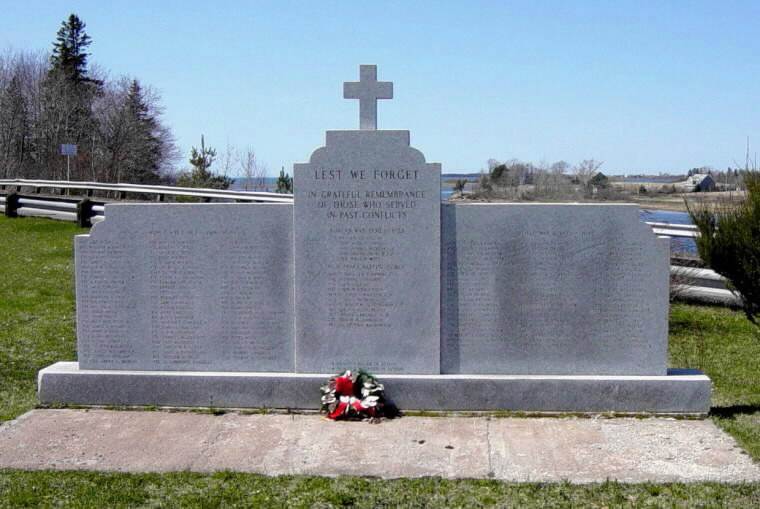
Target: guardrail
{"x": 674, "y": 229}
{"x": 84, "y": 211}
{"x": 702, "y": 285}
{"x": 87, "y": 211}
{"x": 695, "y": 283}
{"x": 159, "y": 192}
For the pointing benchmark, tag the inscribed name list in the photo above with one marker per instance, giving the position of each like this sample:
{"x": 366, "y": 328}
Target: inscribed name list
{"x": 552, "y": 290}
{"x": 187, "y": 287}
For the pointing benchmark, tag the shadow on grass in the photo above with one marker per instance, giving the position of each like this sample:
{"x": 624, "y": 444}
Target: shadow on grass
{"x": 729, "y": 412}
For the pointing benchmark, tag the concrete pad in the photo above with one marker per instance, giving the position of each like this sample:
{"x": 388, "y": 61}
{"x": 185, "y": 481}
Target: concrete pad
{"x": 311, "y": 445}
{"x": 627, "y": 450}
{"x": 580, "y": 450}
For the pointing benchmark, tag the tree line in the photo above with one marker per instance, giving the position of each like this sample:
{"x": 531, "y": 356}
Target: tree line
{"x": 516, "y": 179}
{"x": 56, "y": 98}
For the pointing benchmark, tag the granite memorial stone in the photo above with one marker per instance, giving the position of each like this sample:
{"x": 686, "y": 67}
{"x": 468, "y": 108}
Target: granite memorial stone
{"x": 367, "y": 236}
{"x": 187, "y": 287}
{"x": 525, "y": 307}
{"x": 555, "y": 289}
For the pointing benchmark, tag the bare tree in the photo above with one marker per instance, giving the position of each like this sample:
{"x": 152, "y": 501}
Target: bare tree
{"x": 20, "y": 76}
{"x": 14, "y": 127}
{"x": 229, "y": 160}
{"x": 45, "y": 103}
{"x": 586, "y": 169}
{"x": 560, "y": 167}
{"x": 110, "y": 156}
{"x": 253, "y": 170}
{"x": 131, "y": 144}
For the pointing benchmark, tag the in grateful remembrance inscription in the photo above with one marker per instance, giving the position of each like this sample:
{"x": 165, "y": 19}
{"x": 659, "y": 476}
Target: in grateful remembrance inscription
{"x": 187, "y": 287}
{"x": 367, "y": 233}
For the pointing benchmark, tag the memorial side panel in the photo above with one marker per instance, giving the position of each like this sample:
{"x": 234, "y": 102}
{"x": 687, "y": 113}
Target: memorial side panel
{"x": 367, "y": 234}
{"x": 552, "y": 289}
{"x": 187, "y": 287}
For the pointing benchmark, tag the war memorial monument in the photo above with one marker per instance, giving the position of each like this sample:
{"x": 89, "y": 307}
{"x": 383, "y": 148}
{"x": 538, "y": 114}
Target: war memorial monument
{"x": 457, "y": 306}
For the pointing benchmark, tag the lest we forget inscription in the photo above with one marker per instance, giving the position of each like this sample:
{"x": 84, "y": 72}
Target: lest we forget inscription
{"x": 187, "y": 287}
{"x": 551, "y": 289}
{"x": 367, "y": 237}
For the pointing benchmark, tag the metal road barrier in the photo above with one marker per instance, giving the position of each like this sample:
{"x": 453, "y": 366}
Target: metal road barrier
{"x": 674, "y": 229}
{"x": 695, "y": 283}
{"x": 159, "y": 192}
{"x": 701, "y": 285}
{"x": 22, "y": 198}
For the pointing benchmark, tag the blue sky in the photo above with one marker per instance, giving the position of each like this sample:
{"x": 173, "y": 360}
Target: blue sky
{"x": 642, "y": 86}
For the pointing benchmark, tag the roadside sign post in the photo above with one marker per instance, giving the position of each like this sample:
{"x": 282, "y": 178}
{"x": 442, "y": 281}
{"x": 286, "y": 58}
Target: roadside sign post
{"x": 68, "y": 150}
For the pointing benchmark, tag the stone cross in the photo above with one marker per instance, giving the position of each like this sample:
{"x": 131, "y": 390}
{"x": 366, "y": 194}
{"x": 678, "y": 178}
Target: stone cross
{"x": 368, "y": 90}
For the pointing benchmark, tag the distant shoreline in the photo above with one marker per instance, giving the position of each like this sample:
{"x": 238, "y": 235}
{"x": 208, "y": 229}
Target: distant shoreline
{"x": 675, "y": 205}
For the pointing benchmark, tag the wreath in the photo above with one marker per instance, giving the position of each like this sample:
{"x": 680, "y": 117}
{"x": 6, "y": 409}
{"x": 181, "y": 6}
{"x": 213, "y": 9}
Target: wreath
{"x": 353, "y": 395}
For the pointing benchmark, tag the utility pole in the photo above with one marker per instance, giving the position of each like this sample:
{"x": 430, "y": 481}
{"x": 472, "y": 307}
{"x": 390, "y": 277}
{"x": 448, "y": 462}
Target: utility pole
{"x": 746, "y": 158}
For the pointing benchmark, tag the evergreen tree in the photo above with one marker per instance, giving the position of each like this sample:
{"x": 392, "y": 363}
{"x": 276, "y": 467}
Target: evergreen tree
{"x": 117, "y": 125}
{"x": 145, "y": 147}
{"x": 284, "y": 182}
{"x": 497, "y": 172}
{"x": 202, "y": 159}
{"x": 599, "y": 180}
{"x": 67, "y": 98}
{"x": 729, "y": 241}
{"x": 201, "y": 175}
{"x": 69, "y": 50}
{"x": 132, "y": 144}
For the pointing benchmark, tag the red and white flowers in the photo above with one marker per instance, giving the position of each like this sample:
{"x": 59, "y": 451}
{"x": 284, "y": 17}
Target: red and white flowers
{"x": 353, "y": 395}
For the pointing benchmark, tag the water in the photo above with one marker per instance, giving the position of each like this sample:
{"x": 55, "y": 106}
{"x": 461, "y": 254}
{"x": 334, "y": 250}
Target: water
{"x": 655, "y": 180}
{"x": 677, "y": 245}
{"x": 270, "y": 185}
{"x": 665, "y": 216}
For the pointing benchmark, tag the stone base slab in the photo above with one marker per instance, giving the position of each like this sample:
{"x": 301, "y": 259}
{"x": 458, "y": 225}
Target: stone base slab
{"x": 678, "y": 392}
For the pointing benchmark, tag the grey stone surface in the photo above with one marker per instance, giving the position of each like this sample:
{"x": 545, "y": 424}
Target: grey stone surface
{"x": 187, "y": 286}
{"x": 552, "y": 289}
{"x": 512, "y": 449}
{"x": 368, "y": 90}
{"x": 679, "y": 392}
{"x": 231, "y": 305}
{"x": 367, "y": 237}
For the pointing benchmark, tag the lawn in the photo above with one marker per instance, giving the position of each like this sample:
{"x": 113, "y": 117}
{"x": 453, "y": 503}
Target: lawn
{"x": 226, "y": 489}
{"x": 36, "y": 305}
{"x": 723, "y": 344}
{"x": 37, "y": 329}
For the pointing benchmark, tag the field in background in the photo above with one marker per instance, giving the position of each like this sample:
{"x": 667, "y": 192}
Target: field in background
{"x": 37, "y": 329}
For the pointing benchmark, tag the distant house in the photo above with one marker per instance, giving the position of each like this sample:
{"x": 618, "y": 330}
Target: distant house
{"x": 698, "y": 183}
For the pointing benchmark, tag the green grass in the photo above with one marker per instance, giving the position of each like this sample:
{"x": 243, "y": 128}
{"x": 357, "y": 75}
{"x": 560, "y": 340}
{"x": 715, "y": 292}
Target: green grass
{"x": 37, "y": 329}
{"x": 723, "y": 344}
{"x": 225, "y": 489}
{"x": 36, "y": 305}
